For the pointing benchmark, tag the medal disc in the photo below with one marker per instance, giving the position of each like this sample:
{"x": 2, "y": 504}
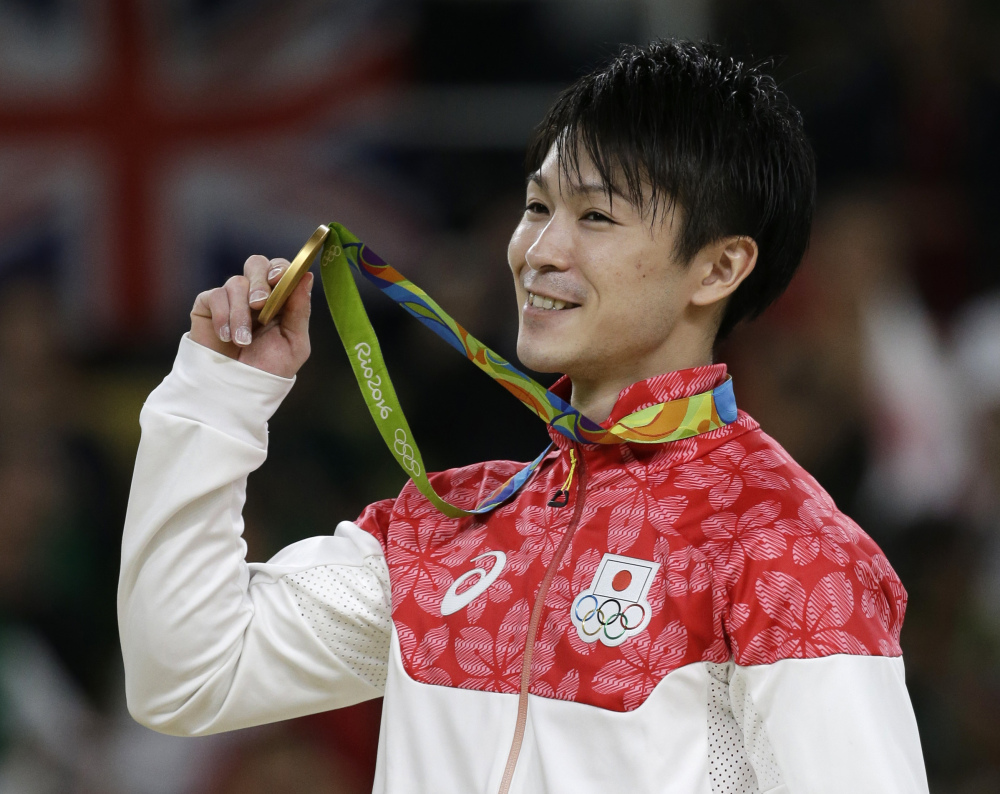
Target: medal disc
{"x": 292, "y": 276}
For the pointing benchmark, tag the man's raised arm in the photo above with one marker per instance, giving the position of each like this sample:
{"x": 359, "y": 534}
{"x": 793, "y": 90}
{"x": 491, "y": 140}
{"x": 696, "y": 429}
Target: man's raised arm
{"x": 210, "y": 642}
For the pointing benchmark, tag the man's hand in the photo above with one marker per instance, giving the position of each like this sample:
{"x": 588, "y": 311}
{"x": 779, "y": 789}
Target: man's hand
{"x": 222, "y": 319}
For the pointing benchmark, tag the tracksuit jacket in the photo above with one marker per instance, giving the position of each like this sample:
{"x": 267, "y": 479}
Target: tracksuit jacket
{"x": 694, "y": 617}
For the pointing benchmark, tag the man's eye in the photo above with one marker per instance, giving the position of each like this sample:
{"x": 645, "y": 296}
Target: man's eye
{"x": 536, "y": 206}
{"x": 594, "y": 215}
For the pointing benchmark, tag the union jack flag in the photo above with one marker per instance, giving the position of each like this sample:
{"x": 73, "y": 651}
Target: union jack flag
{"x": 138, "y": 138}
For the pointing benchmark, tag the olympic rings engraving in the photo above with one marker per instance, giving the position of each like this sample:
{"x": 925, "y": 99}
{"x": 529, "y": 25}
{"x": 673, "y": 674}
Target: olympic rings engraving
{"x": 405, "y": 452}
{"x": 606, "y": 619}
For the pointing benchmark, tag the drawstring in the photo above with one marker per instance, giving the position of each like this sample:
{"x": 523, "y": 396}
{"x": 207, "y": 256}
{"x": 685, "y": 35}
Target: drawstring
{"x": 561, "y": 497}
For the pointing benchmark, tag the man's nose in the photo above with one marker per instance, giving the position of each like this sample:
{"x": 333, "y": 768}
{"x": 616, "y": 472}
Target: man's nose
{"x": 553, "y": 248}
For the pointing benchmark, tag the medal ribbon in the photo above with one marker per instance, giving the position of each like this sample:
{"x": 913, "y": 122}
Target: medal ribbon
{"x": 344, "y": 253}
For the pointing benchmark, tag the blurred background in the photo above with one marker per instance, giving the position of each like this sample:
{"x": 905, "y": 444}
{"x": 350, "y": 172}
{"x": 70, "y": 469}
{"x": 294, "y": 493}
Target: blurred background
{"x": 147, "y": 147}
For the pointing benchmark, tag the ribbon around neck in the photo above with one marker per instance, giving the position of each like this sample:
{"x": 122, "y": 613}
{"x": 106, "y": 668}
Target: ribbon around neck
{"x": 344, "y": 254}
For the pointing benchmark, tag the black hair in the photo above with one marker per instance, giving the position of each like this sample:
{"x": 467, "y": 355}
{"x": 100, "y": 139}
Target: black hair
{"x": 714, "y": 135}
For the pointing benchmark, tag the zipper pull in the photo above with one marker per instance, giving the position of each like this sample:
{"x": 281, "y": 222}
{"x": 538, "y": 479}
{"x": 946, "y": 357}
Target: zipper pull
{"x": 561, "y": 497}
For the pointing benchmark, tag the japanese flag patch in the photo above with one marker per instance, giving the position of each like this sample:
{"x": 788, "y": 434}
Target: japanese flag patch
{"x": 614, "y": 607}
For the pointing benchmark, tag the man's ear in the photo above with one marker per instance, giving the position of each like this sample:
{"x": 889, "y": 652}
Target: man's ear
{"x": 720, "y": 268}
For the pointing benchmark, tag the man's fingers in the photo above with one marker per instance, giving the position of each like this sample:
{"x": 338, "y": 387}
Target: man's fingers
{"x": 201, "y": 308}
{"x": 238, "y": 291}
{"x": 213, "y": 305}
{"x": 255, "y": 271}
{"x": 295, "y": 318}
{"x": 210, "y": 321}
{"x": 218, "y": 304}
{"x": 278, "y": 268}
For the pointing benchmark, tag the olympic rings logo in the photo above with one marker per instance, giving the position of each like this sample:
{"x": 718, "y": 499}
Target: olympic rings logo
{"x": 405, "y": 452}
{"x": 606, "y": 619}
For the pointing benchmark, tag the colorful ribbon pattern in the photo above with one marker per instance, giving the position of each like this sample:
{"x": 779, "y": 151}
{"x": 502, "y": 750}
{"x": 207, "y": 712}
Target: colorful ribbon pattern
{"x": 344, "y": 253}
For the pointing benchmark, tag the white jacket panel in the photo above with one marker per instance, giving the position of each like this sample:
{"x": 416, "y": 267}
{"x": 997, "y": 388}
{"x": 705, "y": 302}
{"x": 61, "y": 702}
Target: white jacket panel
{"x": 843, "y": 720}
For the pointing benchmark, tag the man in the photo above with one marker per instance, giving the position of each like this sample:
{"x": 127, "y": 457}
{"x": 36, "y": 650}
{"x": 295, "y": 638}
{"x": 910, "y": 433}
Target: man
{"x": 689, "y": 616}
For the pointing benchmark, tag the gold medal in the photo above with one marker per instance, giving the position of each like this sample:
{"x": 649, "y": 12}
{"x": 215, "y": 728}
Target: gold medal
{"x": 291, "y": 278}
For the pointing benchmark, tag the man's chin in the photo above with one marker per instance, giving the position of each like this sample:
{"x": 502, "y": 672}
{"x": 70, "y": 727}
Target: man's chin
{"x": 543, "y": 358}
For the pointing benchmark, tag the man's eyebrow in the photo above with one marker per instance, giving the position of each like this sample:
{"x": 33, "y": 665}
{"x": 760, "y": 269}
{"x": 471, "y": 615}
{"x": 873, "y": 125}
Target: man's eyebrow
{"x": 538, "y": 179}
{"x": 575, "y": 188}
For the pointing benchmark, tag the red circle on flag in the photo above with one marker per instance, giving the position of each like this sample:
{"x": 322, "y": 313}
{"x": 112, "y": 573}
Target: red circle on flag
{"x": 622, "y": 580}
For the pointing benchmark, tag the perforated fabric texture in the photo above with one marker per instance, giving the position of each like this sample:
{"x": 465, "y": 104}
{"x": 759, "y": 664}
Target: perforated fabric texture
{"x": 729, "y": 768}
{"x": 347, "y": 607}
{"x": 758, "y": 746}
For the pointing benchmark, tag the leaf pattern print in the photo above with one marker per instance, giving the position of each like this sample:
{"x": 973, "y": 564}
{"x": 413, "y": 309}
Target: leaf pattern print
{"x": 803, "y": 627}
{"x": 559, "y": 600}
{"x": 492, "y": 661}
{"x": 687, "y": 569}
{"x": 415, "y": 571}
{"x": 727, "y": 470}
{"x": 816, "y": 531}
{"x": 731, "y": 539}
{"x": 673, "y": 454}
{"x": 738, "y": 615}
{"x": 626, "y": 517}
{"x": 643, "y": 665}
{"x": 539, "y": 541}
{"x": 566, "y": 690}
{"x": 882, "y": 597}
{"x": 633, "y": 505}
{"x": 463, "y": 547}
{"x": 421, "y": 655}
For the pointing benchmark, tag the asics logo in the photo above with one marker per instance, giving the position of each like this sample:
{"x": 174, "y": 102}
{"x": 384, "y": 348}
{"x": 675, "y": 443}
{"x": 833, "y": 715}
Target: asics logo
{"x": 454, "y": 601}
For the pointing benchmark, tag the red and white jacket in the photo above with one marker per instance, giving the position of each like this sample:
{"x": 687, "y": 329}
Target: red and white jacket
{"x": 695, "y": 617}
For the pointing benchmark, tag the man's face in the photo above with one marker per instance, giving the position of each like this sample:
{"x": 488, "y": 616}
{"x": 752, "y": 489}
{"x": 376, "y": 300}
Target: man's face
{"x": 610, "y": 268}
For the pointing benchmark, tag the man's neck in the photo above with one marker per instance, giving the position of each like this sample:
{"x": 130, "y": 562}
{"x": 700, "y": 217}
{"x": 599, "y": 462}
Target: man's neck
{"x": 596, "y": 398}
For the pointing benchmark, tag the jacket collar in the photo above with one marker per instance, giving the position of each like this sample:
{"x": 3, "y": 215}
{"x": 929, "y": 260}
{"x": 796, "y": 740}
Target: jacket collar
{"x": 642, "y": 394}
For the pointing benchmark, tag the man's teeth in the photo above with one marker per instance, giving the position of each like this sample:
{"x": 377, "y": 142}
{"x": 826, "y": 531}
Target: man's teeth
{"x": 544, "y": 303}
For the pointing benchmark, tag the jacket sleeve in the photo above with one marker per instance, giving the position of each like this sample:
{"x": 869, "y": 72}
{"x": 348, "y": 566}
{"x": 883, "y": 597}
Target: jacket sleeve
{"x": 818, "y": 683}
{"x": 828, "y": 725}
{"x": 210, "y": 642}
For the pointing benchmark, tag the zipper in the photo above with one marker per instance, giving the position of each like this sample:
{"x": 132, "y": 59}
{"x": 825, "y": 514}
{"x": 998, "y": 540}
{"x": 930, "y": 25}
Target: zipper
{"x": 536, "y": 614}
{"x": 561, "y": 497}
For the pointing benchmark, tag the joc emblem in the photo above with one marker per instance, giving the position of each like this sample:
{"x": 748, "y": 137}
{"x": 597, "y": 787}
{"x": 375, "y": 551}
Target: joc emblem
{"x": 614, "y": 607}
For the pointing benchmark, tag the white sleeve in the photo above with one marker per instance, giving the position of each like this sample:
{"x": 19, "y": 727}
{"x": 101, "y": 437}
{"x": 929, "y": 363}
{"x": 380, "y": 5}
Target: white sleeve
{"x": 830, "y": 725}
{"x": 211, "y": 643}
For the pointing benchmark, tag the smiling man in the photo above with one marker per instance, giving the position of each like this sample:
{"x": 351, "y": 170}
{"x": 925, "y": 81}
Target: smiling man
{"x": 689, "y": 615}
{"x": 601, "y": 290}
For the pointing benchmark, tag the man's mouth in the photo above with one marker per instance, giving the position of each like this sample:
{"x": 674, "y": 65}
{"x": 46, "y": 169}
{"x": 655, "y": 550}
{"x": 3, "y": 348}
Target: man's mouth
{"x": 540, "y": 302}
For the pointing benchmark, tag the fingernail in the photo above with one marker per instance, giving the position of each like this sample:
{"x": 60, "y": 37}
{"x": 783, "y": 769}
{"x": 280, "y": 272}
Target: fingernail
{"x": 243, "y": 336}
{"x": 274, "y": 272}
{"x": 257, "y": 295}
{"x": 224, "y": 333}
{"x": 312, "y": 278}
